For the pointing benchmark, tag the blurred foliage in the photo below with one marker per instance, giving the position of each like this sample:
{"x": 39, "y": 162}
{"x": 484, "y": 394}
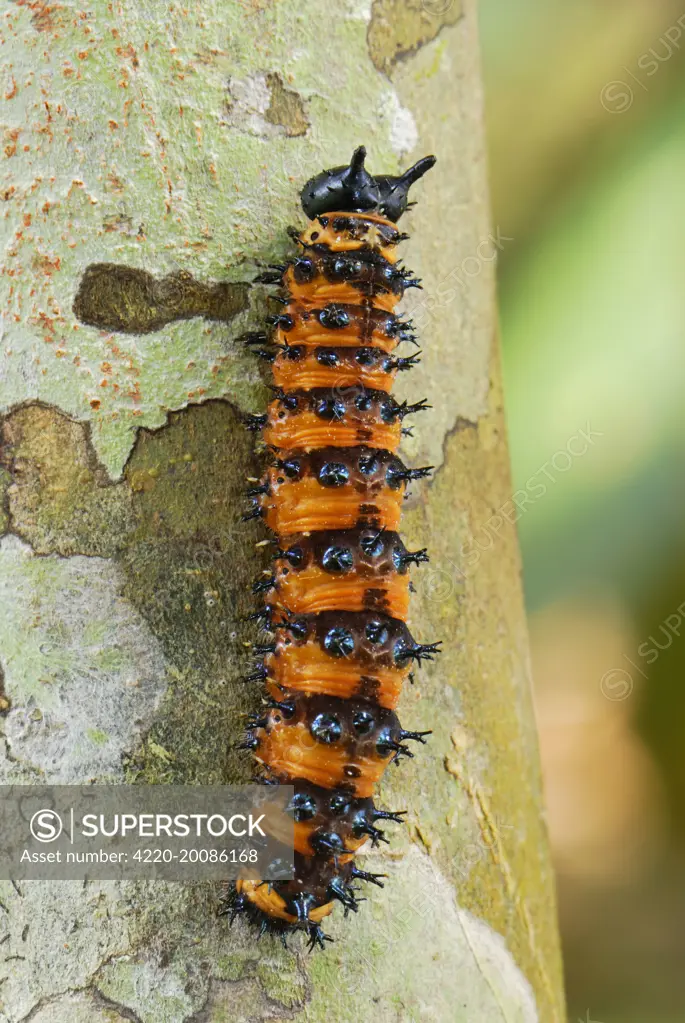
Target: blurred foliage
{"x": 586, "y": 124}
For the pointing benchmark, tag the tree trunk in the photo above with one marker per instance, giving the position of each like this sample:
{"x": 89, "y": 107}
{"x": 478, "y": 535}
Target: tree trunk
{"x": 168, "y": 142}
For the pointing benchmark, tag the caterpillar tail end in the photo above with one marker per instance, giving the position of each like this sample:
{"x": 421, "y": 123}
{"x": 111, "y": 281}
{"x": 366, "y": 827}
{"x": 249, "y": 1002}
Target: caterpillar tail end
{"x": 265, "y": 909}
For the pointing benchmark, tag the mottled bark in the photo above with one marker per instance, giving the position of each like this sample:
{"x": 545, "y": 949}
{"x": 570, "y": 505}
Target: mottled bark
{"x": 153, "y": 155}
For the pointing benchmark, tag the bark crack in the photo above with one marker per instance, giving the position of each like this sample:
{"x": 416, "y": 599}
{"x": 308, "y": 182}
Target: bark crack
{"x": 107, "y": 1003}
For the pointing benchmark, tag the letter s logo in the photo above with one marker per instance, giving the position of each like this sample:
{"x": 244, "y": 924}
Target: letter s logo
{"x": 46, "y": 825}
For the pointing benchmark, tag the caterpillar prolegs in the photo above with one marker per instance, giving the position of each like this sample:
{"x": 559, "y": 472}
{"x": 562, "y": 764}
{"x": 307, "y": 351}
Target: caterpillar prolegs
{"x": 337, "y": 600}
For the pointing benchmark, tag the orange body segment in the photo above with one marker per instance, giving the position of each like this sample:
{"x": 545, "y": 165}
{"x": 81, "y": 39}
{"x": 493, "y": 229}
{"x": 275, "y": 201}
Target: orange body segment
{"x": 299, "y": 834}
{"x": 291, "y": 752}
{"x": 366, "y": 327}
{"x": 302, "y": 508}
{"x": 270, "y": 902}
{"x": 307, "y": 431}
{"x": 313, "y": 590}
{"x": 308, "y": 373}
{"x": 308, "y": 669}
{"x": 350, "y": 232}
{"x": 324, "y": 292}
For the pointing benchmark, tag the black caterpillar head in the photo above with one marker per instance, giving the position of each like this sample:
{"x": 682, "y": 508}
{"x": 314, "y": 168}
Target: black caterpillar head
{"x": 352, "y": 189}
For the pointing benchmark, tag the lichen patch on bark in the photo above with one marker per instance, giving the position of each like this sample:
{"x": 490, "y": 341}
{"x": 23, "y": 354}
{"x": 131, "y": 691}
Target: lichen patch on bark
{"x": 189, "y": 565}
{"x": 123, "y": 298}
{"x": 262, "y": 105}
{"x": 398, "y": 28}
{"x": 59, "y": 497}
{"x": 286, "y": 107}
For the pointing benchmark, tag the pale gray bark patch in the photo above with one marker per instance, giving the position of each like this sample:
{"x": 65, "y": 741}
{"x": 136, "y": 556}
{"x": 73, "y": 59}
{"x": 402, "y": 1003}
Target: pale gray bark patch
{"x": 150, "y": 951}
{"x": 55, "y": 935}
{"x": 428, "y": 960}
{"x": 83, "y": 673}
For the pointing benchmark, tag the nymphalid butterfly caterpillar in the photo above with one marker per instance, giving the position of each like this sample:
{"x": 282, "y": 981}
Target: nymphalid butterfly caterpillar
{"x": 337, "y": 601}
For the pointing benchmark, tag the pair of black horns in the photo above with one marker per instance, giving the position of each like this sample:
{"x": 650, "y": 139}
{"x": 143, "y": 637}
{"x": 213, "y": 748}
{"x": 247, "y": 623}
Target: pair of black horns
{"x": 352, "y": 189}
{"x": 356, "y": 168}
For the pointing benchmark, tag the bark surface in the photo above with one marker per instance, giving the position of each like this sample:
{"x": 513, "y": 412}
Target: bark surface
{"x": 153, "y": 156}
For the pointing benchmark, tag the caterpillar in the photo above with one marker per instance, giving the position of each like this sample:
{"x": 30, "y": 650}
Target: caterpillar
{"x": 337, "y": 601}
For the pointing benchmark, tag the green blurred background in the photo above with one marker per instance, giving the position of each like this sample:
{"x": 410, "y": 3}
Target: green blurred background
{"x": 586, "y": 123}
